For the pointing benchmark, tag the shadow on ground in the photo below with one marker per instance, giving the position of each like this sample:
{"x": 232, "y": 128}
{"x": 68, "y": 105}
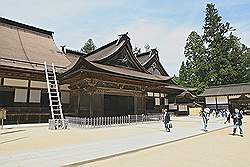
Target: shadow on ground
{"x": 13, "y": 140}
{"x": 14, "y": 131}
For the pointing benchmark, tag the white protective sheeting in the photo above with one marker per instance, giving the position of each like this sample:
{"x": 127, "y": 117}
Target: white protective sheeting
{"x": 172, "y": 107}
{"x": 222, "y": 100}
{"x": 15, "y": 82}
{"x": 210, "y": 100}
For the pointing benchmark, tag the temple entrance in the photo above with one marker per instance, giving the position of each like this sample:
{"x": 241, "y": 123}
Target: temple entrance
{"x": 118, "y": 105}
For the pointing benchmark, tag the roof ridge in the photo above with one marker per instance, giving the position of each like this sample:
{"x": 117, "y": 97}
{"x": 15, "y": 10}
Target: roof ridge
{"x": 76, "y": 52}
{"x": 25, "y": 26}
{"x": 141, "y": 54}
{"x": 100, "y": 48}
{"x": 228, "y": 85}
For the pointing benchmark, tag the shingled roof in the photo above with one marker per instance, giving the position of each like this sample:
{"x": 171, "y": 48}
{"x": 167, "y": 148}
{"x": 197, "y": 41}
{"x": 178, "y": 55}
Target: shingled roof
{"x": 232, "y": 89}
{"x": 114, "y": 51}
{"x": 104, "y": 59}
{"x": 24, "y": 46}
{"x": 128, "y": 72}
{"x": 150, "y": 60}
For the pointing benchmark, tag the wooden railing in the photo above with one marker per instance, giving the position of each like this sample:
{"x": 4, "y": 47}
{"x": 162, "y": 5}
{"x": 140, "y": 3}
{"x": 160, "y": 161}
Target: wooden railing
{"x": 99, "y": 122}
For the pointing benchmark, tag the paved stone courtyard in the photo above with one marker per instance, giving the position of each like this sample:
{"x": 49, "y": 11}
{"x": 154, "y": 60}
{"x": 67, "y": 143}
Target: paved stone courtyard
{"x": 42, "y": 147}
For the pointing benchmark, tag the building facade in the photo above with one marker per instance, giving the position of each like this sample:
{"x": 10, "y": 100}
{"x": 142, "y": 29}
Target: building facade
{"x": 106, "y": 82}
{"x": 227, "y": 96}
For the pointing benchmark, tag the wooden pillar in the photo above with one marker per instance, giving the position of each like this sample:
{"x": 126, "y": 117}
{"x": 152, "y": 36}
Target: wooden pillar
{"x": 78, "y": 102}
{"x": 135, "y": 105}
{"x": 143, "y": 101}
{"x": 2, "y": 80}
{"x": 28, "y": 92}
{"x": 216, "y": 103}
{"x": 91, "y": 104}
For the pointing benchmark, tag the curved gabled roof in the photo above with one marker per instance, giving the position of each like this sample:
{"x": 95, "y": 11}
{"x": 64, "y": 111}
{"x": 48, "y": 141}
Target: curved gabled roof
{"x": 118, "y": 49}
{"x": 132, "y": 73}
{"x": 83, "y": 64}
{"x": 150, "y": 60}
{"x": 105, "y": 59}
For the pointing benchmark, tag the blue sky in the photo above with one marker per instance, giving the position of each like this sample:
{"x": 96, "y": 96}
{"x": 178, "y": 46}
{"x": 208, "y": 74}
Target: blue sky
{"x": 164, "y": 24}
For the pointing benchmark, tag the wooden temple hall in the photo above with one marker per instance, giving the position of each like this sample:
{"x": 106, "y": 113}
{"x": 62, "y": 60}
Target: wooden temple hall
{"x": 110, "y": 81}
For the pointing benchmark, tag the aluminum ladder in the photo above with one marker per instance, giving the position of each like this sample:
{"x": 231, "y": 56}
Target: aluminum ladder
{"x": 57, "y": 121}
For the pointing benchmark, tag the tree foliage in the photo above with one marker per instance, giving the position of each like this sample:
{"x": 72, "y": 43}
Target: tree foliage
{"x": 88, "y": 47}
{"x": 215, "y": 57}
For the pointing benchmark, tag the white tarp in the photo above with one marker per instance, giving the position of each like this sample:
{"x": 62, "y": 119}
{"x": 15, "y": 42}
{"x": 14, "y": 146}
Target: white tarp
{"x": 222, "y": 100}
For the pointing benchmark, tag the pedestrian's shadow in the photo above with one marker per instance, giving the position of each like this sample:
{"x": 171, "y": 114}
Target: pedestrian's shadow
{"x": 166, "y": 131}
{"x": 233, "y": 134}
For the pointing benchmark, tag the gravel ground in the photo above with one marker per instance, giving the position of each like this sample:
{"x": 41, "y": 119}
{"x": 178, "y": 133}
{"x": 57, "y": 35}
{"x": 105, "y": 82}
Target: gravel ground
{"x": 217, "y": 149}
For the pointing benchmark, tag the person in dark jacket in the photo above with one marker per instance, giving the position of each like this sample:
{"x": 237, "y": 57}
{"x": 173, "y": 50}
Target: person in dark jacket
{"x": 227, "y": 116}
{"x": 205, "y": 117}
{"x": 237, "y": 117}
{"x": 166, "y": 120}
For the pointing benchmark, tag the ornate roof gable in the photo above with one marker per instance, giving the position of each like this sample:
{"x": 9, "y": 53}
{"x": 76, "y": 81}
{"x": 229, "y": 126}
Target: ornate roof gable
{"x": 150, "y": 60}
{"x": 117, "y": 53}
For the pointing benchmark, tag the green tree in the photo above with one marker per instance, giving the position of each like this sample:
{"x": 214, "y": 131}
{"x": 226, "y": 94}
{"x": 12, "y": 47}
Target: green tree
{"x": 248, "y": 65}
{"x": 215, "y": 57}
{"x": 183, "y": 75}
{"x": 88, "y": 47}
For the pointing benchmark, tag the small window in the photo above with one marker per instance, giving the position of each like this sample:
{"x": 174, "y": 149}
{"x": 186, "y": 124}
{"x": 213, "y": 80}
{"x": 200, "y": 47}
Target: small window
{"x": 165, "y": 101}
{"x": 157, "y": 94}
{"x": 20, "y": 95}
{"x": 157, "y": 101}
{"x": 35, "y": 96}
{"x": 150, "y": 94}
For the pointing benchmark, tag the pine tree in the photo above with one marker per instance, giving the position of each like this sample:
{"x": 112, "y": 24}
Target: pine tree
{"x": 88, "y": 47}
{"x": 215, "y": 57}
{"x": 183, "y": 75}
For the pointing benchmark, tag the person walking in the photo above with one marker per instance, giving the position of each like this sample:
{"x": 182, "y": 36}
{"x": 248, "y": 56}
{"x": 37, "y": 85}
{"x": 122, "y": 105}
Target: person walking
{"x": 237, "y": 117}
{"x": 228, "y": 115}
{"x": 205, "y": 115}
{"x": 166, "y": 120}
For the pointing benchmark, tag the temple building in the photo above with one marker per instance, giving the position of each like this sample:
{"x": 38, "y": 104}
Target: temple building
{"x": 227, "y": 96}
{"x": 110, "y": 81}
